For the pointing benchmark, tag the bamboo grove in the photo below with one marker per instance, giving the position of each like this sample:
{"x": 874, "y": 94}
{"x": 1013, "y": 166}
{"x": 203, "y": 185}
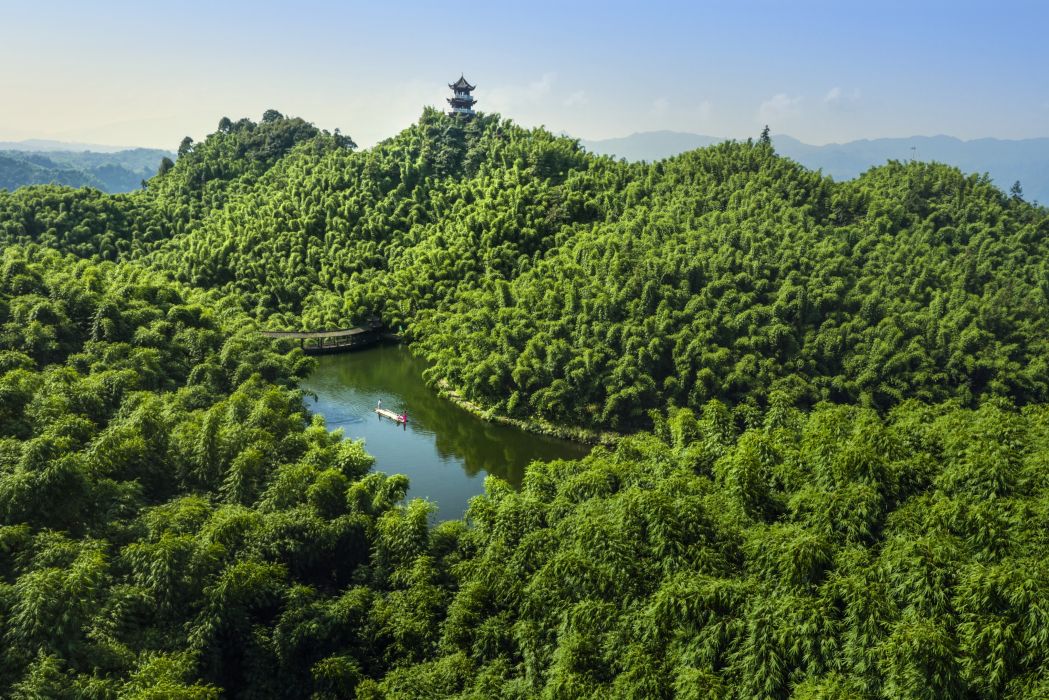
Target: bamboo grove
{"x": 835, "y": 484}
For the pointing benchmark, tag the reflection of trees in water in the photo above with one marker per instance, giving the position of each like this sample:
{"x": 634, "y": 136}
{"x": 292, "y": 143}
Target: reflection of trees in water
{"x": 392, "y": 371}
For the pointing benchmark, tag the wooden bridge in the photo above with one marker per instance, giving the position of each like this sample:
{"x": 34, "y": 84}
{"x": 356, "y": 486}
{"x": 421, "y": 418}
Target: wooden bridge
{"x": 335, "y": 340}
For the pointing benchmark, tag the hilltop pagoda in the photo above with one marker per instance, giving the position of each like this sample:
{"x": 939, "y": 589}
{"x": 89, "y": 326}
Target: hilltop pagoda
{"x": 461, "y": 101}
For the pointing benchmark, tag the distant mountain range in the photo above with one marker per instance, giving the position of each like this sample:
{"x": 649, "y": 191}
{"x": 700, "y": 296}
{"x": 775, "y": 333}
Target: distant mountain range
{"x": 111, "y": 169}
{"x": 1006, "y": 161}
{"x": 52, "y": 145}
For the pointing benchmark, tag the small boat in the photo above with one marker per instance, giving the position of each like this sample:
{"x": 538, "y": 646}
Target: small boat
{"x": 396, "y": 417}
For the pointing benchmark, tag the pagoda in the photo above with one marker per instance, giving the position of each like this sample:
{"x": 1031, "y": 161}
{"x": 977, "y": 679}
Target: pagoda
{"x": 461, "y": 101}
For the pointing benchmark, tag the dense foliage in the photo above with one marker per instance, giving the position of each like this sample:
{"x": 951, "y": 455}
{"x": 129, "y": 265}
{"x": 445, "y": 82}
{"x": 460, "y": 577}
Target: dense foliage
{"x": 546, "y": 283}
{"x": 406, "y": 225}
{"x": 172, "y": 525}
{"x": 738, "y": 273}
{"x": 833, "y": 555}
{"x": 85, "y": 222}
{"x": 843, "y": 494}
{"x": 170, "y": 518}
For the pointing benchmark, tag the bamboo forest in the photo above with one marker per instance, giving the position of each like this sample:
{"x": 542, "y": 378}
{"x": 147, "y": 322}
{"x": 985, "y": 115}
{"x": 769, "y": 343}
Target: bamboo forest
{"x": 818, "y": 411}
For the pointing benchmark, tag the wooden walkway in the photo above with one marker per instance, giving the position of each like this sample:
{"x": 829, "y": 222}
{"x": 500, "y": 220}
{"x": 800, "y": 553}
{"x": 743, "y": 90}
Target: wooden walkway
{"x": 330, "y": 341}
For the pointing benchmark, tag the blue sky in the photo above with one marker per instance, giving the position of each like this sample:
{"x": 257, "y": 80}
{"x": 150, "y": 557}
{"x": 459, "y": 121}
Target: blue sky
{"x": 142, "y": 73}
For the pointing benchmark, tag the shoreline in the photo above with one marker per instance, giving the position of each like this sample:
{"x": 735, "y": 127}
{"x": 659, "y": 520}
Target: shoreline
{"x": 537, "y": 427}
{"x": 444, "y": 390}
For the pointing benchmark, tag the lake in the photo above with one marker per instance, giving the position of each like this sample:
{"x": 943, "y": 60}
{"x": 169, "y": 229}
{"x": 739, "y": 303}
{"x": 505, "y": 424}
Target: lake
{"x": 445, "y": 450}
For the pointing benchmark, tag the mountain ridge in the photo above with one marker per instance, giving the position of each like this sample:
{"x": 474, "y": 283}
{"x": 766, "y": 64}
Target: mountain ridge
{"x": 50, "y": 145}
{"x": 110, "y": 171}
{"x": 1005, "y": 160}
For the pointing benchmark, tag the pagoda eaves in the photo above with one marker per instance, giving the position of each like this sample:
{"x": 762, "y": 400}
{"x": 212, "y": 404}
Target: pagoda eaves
{"x": 461, "y": 84}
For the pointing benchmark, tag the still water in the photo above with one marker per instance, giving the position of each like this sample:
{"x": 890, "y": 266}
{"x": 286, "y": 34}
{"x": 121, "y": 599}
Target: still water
{"x": 444, "y": 450}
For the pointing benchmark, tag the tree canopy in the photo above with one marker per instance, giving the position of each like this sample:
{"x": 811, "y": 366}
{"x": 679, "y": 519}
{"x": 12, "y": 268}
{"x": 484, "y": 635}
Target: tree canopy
{"x": 837, "y": 481}
{"x": 545, "y": 283}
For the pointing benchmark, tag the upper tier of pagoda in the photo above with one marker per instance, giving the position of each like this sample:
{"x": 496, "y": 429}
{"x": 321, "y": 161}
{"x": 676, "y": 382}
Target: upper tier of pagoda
{"x": 461, "y": 84}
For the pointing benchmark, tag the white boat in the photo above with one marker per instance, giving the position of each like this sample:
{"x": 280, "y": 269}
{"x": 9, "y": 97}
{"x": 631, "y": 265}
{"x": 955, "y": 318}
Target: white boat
{"x": 396, "y": 417}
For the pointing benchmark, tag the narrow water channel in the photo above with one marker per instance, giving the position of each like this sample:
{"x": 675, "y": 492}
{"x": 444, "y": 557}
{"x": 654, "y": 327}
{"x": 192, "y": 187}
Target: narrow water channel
{"x": 444, "y": 450}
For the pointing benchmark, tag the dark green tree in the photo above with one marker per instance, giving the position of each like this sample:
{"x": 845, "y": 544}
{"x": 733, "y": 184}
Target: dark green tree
{"x": 166, "y": 164}
{"x": 185, "y": 147}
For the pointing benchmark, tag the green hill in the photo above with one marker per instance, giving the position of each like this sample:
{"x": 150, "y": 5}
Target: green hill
{"x": 547, "y": 283}
{"x": 114, "y": 172}
{"x": 17, "y": 170}
{"x": 836, "y": 486}
{"x": 1005, "y": 160}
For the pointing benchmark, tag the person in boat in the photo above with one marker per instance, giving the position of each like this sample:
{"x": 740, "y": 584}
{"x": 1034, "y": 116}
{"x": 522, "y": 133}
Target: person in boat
{"x": 404, "y": 416}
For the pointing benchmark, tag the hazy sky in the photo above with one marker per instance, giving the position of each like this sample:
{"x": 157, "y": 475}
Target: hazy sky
{"x": 146, "y": 73}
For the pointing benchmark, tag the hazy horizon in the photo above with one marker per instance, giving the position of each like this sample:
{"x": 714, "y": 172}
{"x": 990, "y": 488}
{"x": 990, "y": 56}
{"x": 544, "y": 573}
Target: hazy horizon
{"x": 131, "y": 74}
{"x": 46, "y": 145}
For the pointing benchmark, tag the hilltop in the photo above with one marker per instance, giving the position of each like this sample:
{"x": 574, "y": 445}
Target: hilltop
{"x": 552, "y": 285}
{"x": 1006, "y": 161}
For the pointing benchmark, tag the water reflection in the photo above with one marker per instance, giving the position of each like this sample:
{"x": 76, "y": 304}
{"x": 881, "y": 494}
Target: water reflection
{"x": 444, "y": 450}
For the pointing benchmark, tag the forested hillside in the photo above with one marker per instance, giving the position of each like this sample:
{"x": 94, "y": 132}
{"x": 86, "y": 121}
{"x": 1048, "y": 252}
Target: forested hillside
{"x": 164, "y": 498}
{"x": 175, "y": 526}
{"x": 17, "y": 172}
{"x": 834, "y": 555}
{"x": 1005, "y": 160}
{"x": 545, "y": 283}
{"x": 838, "y": 487}
{"x": 119, "y": 171}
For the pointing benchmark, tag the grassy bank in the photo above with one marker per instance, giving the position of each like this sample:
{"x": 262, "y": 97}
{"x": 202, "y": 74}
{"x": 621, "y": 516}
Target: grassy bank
{"x": 540, "y": 427}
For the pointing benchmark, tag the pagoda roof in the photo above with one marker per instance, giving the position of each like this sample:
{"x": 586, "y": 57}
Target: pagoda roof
{"x": 461, "y": 84}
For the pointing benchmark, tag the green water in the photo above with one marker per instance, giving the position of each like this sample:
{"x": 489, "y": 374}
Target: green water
{"x": 444, "y": 450}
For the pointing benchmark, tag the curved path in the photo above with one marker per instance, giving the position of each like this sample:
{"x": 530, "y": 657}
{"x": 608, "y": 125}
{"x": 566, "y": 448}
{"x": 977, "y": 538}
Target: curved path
{"x": 320, "y": 342}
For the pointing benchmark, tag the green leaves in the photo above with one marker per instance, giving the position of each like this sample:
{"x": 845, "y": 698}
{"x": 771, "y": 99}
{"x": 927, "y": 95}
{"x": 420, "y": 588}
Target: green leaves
{"x": 172, "y": 523}
{"x": 167, "y": 513}
{"x": 876, "y": 572}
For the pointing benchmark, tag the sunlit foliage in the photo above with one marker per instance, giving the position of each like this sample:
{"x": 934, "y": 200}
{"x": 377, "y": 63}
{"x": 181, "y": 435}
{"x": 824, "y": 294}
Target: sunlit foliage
{"x": 841, "y": 491}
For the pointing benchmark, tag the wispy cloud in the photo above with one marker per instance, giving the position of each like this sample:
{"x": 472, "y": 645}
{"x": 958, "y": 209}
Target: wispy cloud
{"x": 506, "y": 98}
{"x": 576, "y": 99}
{"x": 704, "y": 110}
{"x": 778, "y": 108}
{"x": 692, "y": 117}
{"x": 660, "y": 106}
{"x": 839, "y": 99}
